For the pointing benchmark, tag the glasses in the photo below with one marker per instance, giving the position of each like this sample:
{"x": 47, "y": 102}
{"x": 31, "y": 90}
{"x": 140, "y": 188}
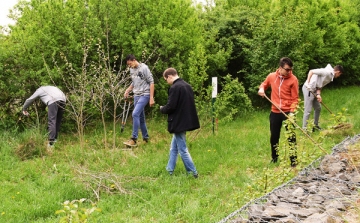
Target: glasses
{"x": 287, "y": 69}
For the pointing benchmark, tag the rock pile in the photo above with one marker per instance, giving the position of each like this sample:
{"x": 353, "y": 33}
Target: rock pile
{"x": 317, "y": 195}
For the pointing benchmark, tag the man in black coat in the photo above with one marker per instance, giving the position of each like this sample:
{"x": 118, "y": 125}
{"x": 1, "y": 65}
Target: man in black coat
{"x": 182, "y": 117}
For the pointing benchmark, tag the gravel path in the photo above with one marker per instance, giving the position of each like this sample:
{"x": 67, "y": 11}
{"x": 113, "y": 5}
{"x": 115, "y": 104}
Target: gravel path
{"x": 325, "y": 191}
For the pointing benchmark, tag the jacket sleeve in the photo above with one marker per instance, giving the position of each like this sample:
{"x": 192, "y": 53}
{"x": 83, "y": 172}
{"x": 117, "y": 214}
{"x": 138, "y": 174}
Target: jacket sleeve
{"x": 172, "y": 102}
{"x": 31, "y": 99}
{"x": 148, "y": 75}
{"x": 266, "y": 83}
{"x": 294, "y": 95}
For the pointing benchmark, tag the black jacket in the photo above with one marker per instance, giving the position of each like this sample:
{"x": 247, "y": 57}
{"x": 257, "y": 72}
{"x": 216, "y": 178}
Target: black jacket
{"x": 180, "y": 107}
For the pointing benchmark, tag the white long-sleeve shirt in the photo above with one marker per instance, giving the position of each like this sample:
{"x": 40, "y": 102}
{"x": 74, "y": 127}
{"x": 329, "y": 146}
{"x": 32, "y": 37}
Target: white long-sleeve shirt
{"x": 47, "y": 94}
{"x": 320, "y": 78}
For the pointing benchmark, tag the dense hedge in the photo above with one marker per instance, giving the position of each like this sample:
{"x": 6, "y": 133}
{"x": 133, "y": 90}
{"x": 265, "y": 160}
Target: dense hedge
{"x": 238, "y": 37}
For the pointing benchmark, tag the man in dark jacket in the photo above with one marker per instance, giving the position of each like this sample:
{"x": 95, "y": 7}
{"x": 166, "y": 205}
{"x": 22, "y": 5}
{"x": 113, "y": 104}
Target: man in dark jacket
{"x": 182, "y": 117}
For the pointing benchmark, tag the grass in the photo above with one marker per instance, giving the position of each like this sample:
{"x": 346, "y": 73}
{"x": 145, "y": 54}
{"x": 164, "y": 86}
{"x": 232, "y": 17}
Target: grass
{"x": 133, "y": 185}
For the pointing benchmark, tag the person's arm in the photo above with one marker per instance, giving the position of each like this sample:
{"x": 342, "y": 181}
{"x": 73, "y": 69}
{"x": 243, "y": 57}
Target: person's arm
{"x": 128, "y": 90}
{"x": 152, "y": 100}
{"x": 318, "y": 96}
{"x": 263, "y": 87}
{"x": 29, "y": 101}
{"x": 309, "y": 76}
{"x": 172, "y": 102}
{"x": 319, "y": 72}
{"x": 295, "y": 96}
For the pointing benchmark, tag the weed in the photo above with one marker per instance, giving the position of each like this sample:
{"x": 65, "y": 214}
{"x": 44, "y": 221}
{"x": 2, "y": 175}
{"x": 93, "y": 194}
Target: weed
{"x": 31, "y": 144}
{"x": 74, "y": 213}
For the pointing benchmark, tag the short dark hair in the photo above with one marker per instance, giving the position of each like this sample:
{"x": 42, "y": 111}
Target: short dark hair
{"x": 285, "y": 60}
{"x": 130, "y": 57}
{"x": 170, "y": 71}
{"x": 339, "y": 68}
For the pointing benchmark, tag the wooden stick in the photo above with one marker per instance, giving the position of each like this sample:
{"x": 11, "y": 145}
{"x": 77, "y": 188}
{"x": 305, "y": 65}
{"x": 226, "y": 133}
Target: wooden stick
{"x": 293, "y": 122}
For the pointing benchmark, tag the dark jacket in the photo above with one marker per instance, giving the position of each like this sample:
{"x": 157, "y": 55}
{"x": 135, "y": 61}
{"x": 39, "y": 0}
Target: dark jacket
{"x": 180, "y": 107}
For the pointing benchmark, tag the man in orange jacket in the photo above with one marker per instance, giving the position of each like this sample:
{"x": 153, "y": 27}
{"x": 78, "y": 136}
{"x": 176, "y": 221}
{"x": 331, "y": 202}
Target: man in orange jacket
{"x": 284, "y": 94}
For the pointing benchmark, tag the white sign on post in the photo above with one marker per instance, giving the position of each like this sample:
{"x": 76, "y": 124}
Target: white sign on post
{"x": 214, "y": 86}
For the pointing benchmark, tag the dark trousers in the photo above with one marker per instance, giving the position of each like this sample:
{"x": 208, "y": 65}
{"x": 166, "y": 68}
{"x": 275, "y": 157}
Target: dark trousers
{"x": 55, "y": 115}
{"x": 276, "y": 122}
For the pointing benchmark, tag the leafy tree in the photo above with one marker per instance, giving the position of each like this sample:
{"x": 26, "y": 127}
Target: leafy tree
{"x": 165, "y": 33}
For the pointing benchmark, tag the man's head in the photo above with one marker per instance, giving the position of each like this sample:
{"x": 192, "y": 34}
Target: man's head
{"x": 285, "y": 66}
{"x": 338, "y": 70}
{"x": 170, "y": 75}
{"x": 131, "y": 61}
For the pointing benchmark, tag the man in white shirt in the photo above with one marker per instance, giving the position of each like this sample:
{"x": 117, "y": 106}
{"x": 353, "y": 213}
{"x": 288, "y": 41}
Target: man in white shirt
{"x": 55, "y": 99}
{"x": 316, "y": 80}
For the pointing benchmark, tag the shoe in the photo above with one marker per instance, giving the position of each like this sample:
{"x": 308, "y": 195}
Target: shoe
{"x": 130, "y": 142}
{"x": 316, "y": 128}
{"x": 293, "y": 161}
{"x": 196, "y": 176}
{"x": 274, "y": 160}
{"x": 146, "y": 140}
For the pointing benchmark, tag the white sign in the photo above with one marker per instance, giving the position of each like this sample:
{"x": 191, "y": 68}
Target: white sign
{"x": 214, "y": 87}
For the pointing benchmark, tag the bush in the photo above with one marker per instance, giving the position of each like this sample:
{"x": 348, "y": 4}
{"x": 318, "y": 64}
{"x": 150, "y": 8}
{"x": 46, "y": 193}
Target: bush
{"x": 232, "y": 101}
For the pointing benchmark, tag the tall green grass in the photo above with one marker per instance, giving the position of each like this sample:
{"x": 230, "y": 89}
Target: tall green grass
{"x": 233, "y": 164}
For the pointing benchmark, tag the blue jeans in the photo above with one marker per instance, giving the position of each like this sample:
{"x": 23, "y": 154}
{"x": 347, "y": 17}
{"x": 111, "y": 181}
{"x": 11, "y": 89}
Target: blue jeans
{"x": 138, "y": 116}
{"x": 178, "y": 146}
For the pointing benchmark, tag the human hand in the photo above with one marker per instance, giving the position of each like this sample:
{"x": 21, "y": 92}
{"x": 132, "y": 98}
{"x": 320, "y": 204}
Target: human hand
{"x": 26, "y": 113}
{"x": 318, "y": 98}
{"x": 261, "y": 92}
{"x": 152, "y": 101}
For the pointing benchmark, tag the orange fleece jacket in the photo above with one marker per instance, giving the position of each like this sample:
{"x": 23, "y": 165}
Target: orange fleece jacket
{"x": 284, "y": 91}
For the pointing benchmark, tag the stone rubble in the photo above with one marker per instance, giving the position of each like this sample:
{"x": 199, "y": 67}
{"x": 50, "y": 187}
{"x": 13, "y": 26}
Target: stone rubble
{"x": 316, "y": 195}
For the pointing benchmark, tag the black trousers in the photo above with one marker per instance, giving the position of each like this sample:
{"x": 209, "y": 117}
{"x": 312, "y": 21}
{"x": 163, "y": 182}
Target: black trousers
{"x": 55, "y": 115}
{"x": 276, "y": 122}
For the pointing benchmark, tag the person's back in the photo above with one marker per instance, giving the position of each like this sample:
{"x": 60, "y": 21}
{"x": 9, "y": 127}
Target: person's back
{"x": 183, "y": 97}
{"x": 47, "y": 94}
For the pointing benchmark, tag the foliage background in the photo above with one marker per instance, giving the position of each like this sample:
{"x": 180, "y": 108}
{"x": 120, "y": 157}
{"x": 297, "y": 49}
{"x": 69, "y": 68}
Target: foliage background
{"x": 238, "y": 37}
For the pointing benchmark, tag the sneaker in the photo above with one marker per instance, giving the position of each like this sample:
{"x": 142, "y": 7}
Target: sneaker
{"x": 130, "y": 142}
{"x": 196, "y": 176}
{"x": 146, "y": 140}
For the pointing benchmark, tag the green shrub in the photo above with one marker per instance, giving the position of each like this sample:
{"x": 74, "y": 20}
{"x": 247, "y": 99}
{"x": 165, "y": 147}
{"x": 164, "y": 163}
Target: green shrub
{"x": 232, "y": 101}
